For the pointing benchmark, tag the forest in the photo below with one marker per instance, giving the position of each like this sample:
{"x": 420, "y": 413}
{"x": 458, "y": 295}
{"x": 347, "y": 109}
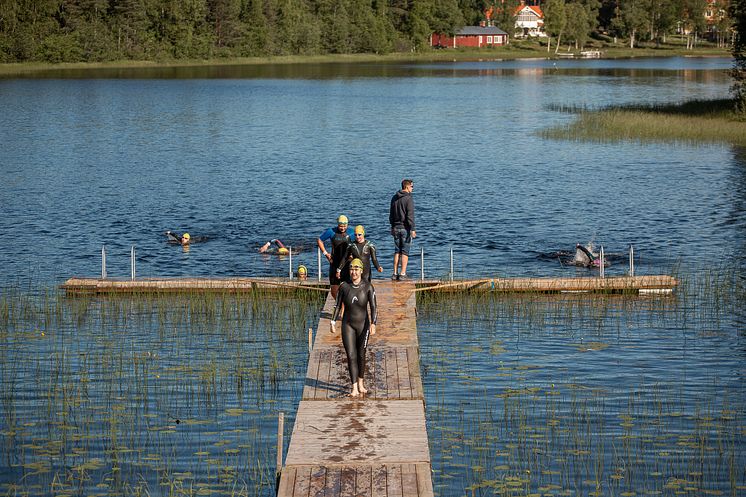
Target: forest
{"x": 107, "y": 30}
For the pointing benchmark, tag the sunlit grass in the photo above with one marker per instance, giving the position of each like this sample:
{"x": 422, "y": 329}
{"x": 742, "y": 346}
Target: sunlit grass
{"x": 692, "y": 122}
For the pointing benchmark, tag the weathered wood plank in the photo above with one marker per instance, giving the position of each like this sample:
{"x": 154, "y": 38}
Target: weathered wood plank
{"x": 394, "y": 480}
{"x": 318, "y": 481}
{"x": 392, "y": 374}
{"x": 333, "y": 481}
{"x": 302, "y": 482}
{"x": 409, "y": 480}
{"x": 363, "y": 481}
{"x": 378, "y": 486}
{"x": 402, "y": 365}
{"x": 424, "y": 480}
{"x": 415, "y": 377}
{"x": 348, "y": 482}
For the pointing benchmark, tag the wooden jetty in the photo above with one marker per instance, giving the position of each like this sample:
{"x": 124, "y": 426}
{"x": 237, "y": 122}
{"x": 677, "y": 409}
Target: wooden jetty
{"x": 375, "y": 445}
{"x": 613, "y": 284}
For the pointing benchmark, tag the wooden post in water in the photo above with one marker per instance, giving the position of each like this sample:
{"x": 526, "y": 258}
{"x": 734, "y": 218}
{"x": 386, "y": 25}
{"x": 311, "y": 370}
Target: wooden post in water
{"x": 631, "y": 260}
{"x": 422, "y": 263}
{"x": 310, "y": 339}
{"x": 103, "y": 262}
{"x": 280, "y": 431}
{"x": 290, "y": 268}
{"x": 132, "y": 262}
{"x": 601, "y": 262}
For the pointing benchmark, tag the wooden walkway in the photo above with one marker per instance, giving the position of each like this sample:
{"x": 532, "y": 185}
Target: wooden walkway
{"x": 371, "y": 446}
{"x": 625, "y": 284}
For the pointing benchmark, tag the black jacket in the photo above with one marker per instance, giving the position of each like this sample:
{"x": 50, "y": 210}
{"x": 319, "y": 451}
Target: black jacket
{"x": 401, "y": 213}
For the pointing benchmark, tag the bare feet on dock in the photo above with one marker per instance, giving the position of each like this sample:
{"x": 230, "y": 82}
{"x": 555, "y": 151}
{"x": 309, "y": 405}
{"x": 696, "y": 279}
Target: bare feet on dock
{"x": 360, "y": 387}
{"x": 355, "y": 392}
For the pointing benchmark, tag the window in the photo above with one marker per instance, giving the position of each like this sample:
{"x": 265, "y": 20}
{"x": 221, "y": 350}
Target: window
{"x": 489, "y": 40}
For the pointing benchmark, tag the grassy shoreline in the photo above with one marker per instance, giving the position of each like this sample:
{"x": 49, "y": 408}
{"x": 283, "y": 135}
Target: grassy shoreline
{"x": 516, "y": 50}
{"x": 698, "y": 122}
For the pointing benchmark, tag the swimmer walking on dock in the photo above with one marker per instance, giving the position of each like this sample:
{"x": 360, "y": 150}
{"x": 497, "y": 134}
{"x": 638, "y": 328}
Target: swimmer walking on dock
{"x": 356, "y": 297}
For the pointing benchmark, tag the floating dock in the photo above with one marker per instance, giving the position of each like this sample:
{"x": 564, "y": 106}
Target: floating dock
{"x": 374, "y": 445}
{"x": 613, "y": 284}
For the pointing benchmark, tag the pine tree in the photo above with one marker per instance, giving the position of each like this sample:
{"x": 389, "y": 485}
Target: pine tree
{"x": 738, "y": 14}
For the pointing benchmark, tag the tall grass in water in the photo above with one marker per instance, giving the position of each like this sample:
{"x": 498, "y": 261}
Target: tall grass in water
{"x": 144, "y": 394}
{"x": 695, "y": 121}
{"x": 587, "y": 394}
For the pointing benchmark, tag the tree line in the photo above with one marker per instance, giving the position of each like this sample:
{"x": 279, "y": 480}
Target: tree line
{"x": 102, "y": 30}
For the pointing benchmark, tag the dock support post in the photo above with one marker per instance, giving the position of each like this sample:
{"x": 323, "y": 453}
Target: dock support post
{"x": 601, "y": 262}
{"x": 132, "y": 262}
{"x": 280, "y": 431}
{"x": 310, "y": 339}
{"x": 103, "y": 262}
{"x": 631, "y": 260}
{"x": 318, "y": 256}
{"x": 290, "y": 268}
{"x": 450, "y": 274}
{"x": 422, "y": 263}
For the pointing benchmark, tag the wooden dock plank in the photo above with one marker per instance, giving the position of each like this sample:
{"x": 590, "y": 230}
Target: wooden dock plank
{"x": 287, "y": 482}
{"x": 348, "y": 482}
{"x": 302, "y": 482}
{"x": 363, "y": 481}
{"x": 394, "y": 480}
{"x": 356, "y": 431}
{"x": 318, "y": 481}
{"x": 424, "y": 479}
{"x": 409, "y": 480}
{"x": 333, "y": 482}
{"x": 378, "y": 484}
{"x": 402, "y": 365}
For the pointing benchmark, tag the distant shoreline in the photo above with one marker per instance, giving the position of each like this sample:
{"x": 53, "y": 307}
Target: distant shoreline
{"x": 515, "y": 51}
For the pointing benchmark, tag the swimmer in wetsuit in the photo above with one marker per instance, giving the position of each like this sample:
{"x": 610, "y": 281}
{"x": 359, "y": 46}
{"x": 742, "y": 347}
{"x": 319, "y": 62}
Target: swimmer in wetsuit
{"x": 340, "y": 237}
{"x": 356, "y": 297}
{"x": 281, "y": 249}
{"x": 361, "y": 249}
{"x": 184, "y": 239}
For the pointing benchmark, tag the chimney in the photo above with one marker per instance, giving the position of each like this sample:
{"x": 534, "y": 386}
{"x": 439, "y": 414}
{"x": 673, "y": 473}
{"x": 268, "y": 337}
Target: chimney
{"x": 482, "y": 23}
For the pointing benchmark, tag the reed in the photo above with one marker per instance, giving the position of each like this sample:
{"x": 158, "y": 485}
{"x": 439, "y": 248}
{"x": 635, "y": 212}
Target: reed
{"x": 541, "y": 417}
{"x": 691, "y": 122}
{"x": 143, "y": 393}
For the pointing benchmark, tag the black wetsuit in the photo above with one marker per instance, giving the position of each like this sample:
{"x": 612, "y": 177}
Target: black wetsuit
{"x": 339, "y": 244}
{"x": 355, "y": 323}
{"x": 366, "y": 252}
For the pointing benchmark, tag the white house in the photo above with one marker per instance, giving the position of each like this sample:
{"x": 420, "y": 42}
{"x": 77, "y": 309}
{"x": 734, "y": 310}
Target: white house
{"x": 529, "y": 21}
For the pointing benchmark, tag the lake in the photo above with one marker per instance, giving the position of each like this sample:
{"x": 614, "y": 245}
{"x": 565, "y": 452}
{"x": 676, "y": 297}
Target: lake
{"x": 554, "y": 395}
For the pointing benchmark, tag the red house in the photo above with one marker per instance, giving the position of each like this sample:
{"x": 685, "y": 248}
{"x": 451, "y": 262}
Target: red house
{"x": 471, "y": 36}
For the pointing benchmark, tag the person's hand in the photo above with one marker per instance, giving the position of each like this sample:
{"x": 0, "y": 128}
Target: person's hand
{"x": 373, "y": 329}
{"x": 414, "y": 234}
{"x": 332, "y": 327}
{"x": 380, "y": 269}
{"x": 328, "y": 256}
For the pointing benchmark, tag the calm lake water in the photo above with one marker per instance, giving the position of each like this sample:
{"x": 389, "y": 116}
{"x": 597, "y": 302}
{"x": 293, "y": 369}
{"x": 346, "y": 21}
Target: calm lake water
{"x": 242, "y": 155}
{"x": 552, "y": 395}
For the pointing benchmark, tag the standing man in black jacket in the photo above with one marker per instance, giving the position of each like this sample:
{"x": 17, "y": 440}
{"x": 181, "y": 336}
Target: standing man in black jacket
{"x": 401, "y": 218}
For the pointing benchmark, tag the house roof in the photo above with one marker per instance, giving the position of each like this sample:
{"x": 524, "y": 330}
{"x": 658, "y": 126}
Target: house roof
{"x": 535, "y": 8}
{"x": 480, "y": 30}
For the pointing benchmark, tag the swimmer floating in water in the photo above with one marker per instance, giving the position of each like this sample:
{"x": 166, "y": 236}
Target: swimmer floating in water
{"x": 281, "y": 249}
{"x": 586, "y": 258}
{"x": 184, "y": 239}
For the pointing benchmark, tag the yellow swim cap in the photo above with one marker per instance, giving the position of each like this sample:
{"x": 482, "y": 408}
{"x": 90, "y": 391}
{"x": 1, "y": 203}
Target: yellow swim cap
{"x": 186, "y": 236}
{"x": 359, "y": 229}
{"x": 302, "y": 269}
{"x": 342, "y": 219}
{"x": 356, "y": 263}
{"x": 283, "y": 251}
